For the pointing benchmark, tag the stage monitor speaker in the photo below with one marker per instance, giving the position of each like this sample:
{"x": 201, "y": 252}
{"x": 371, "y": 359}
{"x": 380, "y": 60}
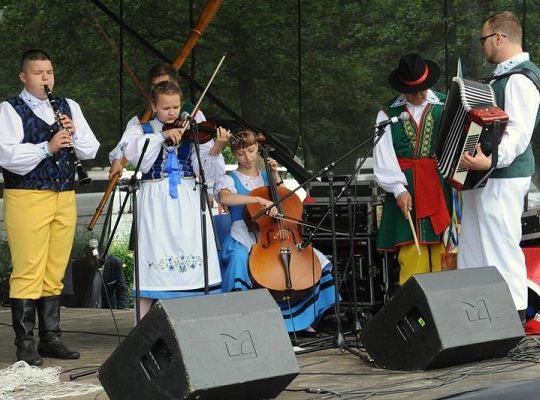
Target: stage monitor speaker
{"x": 445, "y": 318}
{"x": 223, "y": 346}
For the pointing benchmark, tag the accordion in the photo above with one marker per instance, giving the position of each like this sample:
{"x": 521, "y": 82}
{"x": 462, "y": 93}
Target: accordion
{"x": 470, "y": 116}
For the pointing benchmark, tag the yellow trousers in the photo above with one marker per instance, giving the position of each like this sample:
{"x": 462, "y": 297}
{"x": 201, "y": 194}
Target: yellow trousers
{"x": 411, "y": 263}
{"x": 40, "y": 226}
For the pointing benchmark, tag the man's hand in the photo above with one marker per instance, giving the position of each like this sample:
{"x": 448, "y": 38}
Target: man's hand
{"x": 59, "y": 141}
{"x": 404, "y": 202}
{"x": 67, "y": 123}
{"x": 480, "y": 162}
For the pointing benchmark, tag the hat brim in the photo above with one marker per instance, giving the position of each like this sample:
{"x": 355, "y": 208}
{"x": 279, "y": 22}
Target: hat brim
{"x": 433, "y": 76}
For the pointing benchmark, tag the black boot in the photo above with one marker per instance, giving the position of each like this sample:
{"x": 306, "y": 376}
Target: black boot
{"x": 23, "y": 316}
{"x": 50, "y": 344}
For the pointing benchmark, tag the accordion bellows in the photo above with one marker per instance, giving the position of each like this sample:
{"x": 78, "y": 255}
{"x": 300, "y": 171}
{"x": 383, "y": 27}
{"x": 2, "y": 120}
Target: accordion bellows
{"x": 470, "y": 116}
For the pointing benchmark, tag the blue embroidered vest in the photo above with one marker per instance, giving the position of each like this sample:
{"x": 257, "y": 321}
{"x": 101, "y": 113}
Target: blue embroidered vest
{"x": 183, "y": 153}
{"x": 52, "y": 173}
{"x": 237, "y": 212}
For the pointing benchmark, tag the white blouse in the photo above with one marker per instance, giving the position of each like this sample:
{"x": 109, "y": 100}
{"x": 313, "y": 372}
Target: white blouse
{"x": 133, "y": 141}
{"x": 239, "y": 229}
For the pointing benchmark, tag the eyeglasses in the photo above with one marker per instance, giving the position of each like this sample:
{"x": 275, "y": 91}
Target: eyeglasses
{"x": 483, "y": 38}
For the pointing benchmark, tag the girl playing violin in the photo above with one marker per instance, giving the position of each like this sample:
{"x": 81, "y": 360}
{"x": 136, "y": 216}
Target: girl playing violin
{"x": 170, "y": 240}
{"x": 233, "y": 191}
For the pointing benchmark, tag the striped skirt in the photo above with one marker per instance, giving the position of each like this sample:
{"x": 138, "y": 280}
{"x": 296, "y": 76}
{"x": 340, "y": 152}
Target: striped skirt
{"x": 297, "y": 315}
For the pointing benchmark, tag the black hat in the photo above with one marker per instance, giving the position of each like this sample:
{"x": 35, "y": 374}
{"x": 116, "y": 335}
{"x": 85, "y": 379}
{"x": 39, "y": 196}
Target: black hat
{"x": 414, "y": 74}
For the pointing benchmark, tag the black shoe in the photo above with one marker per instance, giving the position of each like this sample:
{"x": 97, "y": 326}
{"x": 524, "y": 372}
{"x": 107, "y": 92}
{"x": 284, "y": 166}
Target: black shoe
{"x": 54, "y": 348}
{"x": 23, "y": 316}
{"x": 50, "y": 344}
{"x": 27, "y": 353}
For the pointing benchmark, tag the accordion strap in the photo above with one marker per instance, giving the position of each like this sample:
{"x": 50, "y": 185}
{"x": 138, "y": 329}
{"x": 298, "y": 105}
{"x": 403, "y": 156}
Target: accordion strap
{"x": 523, "y": 71}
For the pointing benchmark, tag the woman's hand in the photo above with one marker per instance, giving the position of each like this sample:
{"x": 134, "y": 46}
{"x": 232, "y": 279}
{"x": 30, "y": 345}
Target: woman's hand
{"x": 273, "y": 164}
{"x": 116, "y": 169}
{"x": 174, "y": 134}
{"x": 222, "y": 138}
{"x": 267, "y": 203}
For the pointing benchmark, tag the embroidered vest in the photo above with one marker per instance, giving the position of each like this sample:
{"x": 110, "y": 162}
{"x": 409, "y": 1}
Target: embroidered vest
{"x": 53, "y": 173}
{"x": 523, "y": 165}
{"x": 410, "y": 144}
{"x": 183, "y": 153}
{"x": 237, "y": 212}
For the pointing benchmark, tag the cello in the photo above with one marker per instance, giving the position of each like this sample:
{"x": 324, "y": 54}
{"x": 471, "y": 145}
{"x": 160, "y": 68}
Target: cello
{"x": 279, "y": 261}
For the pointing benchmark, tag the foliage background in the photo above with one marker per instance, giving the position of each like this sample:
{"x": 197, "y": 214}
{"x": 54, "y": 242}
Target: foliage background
{"x": 312, "y": 71}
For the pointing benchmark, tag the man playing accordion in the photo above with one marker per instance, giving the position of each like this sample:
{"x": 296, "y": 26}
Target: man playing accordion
{"x": 491, "y": 220}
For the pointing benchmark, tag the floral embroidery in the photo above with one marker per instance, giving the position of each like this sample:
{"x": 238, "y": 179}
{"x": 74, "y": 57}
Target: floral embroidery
{"x": 180, "y": 264}
{"x": 425, "y": 144}
{"x": 410, "y": 132}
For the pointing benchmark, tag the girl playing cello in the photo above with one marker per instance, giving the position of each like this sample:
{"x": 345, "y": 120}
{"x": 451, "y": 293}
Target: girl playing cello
{"x": 233, "y": 191}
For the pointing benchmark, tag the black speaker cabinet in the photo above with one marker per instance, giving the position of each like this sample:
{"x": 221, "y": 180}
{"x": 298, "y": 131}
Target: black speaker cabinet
{"x": 224, "y": 346}
{"x": 445, "y": 318}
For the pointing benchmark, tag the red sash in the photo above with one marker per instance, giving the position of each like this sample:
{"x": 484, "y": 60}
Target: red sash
{"x": 429, "y": 198}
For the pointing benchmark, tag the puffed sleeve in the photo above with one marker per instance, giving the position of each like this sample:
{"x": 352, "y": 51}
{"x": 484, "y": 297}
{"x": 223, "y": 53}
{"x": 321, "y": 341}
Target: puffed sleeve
{"x": 85, "y": 143}
{"x": 386, "y": 168}
{"x": 133, "y": 143}
{"x": 19, "y": 158}
{"x": 116, "y": 153}
{"x": 224, "y": 182}
{"x": 214, "y": 165}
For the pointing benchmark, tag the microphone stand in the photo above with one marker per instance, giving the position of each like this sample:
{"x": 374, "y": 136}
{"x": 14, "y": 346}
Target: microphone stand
{"x": 203, "y": 201}
{"x": 132, "y": 187}
{"x": 339, "y": 340}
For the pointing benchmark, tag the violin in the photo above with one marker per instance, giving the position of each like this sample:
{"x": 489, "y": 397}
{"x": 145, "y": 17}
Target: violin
{"x": 279, "y": 261}
{"x": 204, "y": 132}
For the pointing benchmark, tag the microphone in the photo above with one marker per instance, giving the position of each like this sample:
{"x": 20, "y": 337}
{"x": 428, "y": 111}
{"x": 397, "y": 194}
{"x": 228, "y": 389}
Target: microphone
{"x": 185, "y": 116}
{"x": 404, "y": 116}
{"x": 93, "y": 244}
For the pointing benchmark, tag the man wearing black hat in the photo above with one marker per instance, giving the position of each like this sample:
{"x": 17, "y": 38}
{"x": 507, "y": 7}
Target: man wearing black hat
{"x": 404, "y": 167}
{"x": 491, "y": 220}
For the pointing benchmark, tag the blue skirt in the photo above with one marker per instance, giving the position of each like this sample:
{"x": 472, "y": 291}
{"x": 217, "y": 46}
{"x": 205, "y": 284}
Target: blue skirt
{"x": 297, "y": 315}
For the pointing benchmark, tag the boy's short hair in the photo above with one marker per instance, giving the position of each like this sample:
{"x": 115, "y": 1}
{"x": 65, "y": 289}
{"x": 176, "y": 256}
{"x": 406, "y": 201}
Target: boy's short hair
{"x": 32, "y": 55}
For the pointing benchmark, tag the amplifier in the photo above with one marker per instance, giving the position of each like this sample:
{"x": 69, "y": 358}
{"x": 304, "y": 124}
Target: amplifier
{"x": 369, "y": 279}
{"x": 530, "y": 226}
{"x": 363, "y": 215}
{"x": 361, "y": 191}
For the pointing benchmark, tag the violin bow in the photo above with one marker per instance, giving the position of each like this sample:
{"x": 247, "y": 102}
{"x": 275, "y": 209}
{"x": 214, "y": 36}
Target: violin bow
{"x": 209, "y": 11}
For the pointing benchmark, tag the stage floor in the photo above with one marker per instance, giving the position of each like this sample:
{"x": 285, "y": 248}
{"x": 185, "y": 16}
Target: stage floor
{"x": 334, "y": 372}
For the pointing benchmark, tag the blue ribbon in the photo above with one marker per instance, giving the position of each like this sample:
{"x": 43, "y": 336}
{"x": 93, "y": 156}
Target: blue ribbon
{"x": 172, "y": 168}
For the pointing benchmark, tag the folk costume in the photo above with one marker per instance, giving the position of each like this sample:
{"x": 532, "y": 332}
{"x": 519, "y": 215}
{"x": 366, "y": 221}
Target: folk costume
{"x": 40, "y": 215}
{"x": 403, "y": 161}
{"x": 298, "y": 315}
{"x": 169, "y": 223}
{"x": 491, "y": 221}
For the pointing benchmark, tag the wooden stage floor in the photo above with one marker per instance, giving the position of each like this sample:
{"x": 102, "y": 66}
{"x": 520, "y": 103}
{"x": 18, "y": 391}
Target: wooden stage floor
{"x": 324, "y": 374}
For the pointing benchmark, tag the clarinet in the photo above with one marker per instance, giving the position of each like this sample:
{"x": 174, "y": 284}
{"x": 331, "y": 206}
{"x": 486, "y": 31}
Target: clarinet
{"x": 82, "y": 175}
